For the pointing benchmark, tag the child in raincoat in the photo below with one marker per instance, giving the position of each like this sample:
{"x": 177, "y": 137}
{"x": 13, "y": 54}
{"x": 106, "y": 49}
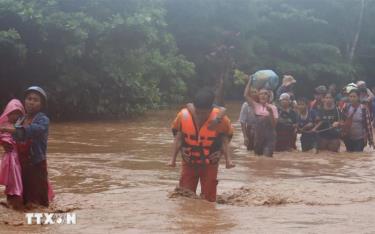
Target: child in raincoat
{"x": 31, "y": 135}
{"x": 10, "y": 168}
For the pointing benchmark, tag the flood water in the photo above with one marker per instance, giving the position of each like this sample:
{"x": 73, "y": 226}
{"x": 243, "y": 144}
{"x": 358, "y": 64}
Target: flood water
{"x": 113, "y": 176}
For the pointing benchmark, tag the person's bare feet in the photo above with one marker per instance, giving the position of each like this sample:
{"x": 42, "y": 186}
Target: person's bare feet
{"x": 229, "y": 165}
{"x": 171, "y": 164}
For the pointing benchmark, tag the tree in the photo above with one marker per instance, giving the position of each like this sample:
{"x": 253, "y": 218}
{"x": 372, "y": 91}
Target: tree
{"x": 95, "y": 58}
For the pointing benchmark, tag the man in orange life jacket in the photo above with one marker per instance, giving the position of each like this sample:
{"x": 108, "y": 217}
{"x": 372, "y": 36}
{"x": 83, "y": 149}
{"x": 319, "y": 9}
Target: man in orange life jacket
{"x": 202, "y": 136}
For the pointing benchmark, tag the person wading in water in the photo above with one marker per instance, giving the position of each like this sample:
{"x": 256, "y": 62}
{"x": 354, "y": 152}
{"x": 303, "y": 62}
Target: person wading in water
{"x": 202, "y": 138}
{"x": 31, "y": 135}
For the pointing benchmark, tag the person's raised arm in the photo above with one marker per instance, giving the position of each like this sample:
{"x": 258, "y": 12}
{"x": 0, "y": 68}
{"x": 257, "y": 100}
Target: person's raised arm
{"x": 370, "y": 95}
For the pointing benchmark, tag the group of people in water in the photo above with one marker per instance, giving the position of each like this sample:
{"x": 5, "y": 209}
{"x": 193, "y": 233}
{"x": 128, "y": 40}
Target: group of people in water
{"x": 323, "y": 123}
{"x": 24, "y": 136}
{"x": 270, "y": 122}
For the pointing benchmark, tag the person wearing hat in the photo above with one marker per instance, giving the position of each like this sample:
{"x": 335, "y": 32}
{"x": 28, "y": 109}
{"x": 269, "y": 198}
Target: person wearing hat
{"x": 319, "y": 93}
{"x": 31, "y": 134}
{"x": 287, "y": 86}
{"x": 286, "y": 125}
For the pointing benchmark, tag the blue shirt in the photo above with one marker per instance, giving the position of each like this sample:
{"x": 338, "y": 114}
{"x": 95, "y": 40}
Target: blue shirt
{"x": 37, "y": 132}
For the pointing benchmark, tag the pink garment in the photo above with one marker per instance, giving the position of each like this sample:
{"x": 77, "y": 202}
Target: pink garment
{"x": 10, "y": 168}
{"x": 13, "y": 105}
{"x": 51, "y": 193}
{"x": 261, "y": 110}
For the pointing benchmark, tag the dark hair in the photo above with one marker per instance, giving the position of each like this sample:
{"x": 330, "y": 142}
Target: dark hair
{"x": 42, "y": 99}
{"x": 204, "y": 98}
{"x": 329, "y": 93}
{"x": 302, "y": 100}
{"x": 332, "y": 85}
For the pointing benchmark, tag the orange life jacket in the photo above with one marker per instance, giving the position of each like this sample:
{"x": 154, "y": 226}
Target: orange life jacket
{"x": 198, "y": 143}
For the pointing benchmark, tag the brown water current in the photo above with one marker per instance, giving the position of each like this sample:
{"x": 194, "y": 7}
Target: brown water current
{"x": 113, "y": 176}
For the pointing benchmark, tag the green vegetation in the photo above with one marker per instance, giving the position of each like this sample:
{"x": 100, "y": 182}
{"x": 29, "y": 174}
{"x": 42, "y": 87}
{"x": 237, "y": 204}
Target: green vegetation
{"x": 112, "y": 58}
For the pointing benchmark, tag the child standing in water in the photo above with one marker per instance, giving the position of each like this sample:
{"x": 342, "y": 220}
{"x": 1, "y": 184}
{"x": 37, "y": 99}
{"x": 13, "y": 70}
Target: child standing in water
{"x": 10, "y": 169}
{"x": 31, "y": 133}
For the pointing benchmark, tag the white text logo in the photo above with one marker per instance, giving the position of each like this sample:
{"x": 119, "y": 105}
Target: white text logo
{"x": 51, "y": 218}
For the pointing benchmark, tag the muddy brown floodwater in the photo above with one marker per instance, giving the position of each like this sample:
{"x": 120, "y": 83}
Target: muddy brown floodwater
{"x": 113, "y": 176}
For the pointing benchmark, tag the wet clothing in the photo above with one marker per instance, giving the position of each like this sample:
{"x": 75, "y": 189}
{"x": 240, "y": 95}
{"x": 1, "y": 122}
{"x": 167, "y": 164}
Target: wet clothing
{"x": 328, "y": 117}
{"x": 206, "y": 174}
{"x": 308, "y": 140}
{"x": 361, "y": 130}
{"x": 329, "y": 144}
{"x": 357, "y": 130}
{"x": 38, "y": 132}
{"x": 250, "y": 132}
{"x": 192, "y": 171}
{"x": 10, "y": 168}
{"x": 32, "y": 145}
{"x": 247, "y": 114}
{"x": 34, "y": 177}
{"x": 261, "y": 110}
{"x": 248, "y": 120}
{"x": 329, "y": 137}
{"x": 285, "y": 130}
{"x": 264, "y": 136}
{"x": 355, "y": 145}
